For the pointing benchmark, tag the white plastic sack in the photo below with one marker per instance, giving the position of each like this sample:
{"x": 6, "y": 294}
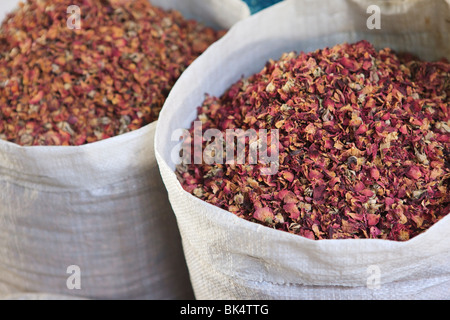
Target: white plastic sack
{"x": 215, "y": 13}
{"x": 231, "y": 258}
{"x": 94, "y": 217}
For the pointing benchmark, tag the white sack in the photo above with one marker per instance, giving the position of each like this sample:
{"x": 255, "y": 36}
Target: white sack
{"x": 215, "y": 13}
{"x": 231, "y": 258}
{"x": 102, "y": 207}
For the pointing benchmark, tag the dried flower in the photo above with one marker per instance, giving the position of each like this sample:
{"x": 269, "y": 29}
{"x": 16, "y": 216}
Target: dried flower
{"x": 60, "y": 86}
{"x": 364, "y": 144}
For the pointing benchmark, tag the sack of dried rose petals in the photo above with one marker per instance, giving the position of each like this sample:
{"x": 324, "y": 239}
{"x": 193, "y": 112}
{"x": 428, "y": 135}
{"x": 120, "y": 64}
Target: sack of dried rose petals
{"x": 92, "y": 221}
{"x": 361, "y": 160}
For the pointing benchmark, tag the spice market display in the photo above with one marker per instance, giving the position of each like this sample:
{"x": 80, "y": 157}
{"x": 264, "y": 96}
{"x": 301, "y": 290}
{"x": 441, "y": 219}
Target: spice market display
{"x": 364, "y": 142}
{"x": 61, "y": 86}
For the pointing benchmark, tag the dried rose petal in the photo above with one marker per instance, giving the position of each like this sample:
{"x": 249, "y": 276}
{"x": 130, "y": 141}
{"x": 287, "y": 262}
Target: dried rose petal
{"x": 292, "y": 210}
{"x": 373, "y": 219}
{"x": 37, "y": 98}
{"x": 289, "y": 176}
{"x": 374, "y": 173}
{"x": 263, "y": 214}
{"x": 414, "y": 173}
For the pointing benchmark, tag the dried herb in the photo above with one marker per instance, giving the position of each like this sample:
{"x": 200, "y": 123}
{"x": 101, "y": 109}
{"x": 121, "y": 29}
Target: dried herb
{"x": 62, "y": 86}
{"x": 364, "y": 139}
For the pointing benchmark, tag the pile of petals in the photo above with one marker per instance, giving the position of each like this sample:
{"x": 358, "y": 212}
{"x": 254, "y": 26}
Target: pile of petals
{"x": 66, "y": 84}
{"x": 363, "y": 145}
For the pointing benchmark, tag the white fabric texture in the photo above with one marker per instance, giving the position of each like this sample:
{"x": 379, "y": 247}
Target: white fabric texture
{"x": 102, "y": 207}
{"x": 39, "y": 297}
{"x": 231, "y": 258}
{"x": 215, "y": 13}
